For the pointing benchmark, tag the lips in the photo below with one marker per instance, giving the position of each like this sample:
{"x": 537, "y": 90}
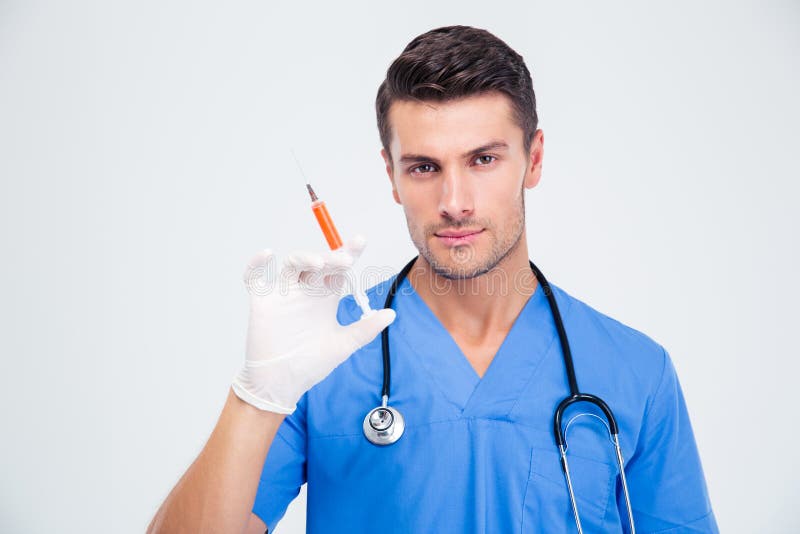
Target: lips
{"x": 457, "y": 233}
{"x": 458, "y": 238}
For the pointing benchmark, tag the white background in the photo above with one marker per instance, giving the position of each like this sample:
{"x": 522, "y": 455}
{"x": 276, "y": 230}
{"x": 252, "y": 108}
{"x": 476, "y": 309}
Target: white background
{"x": 144, "y": 157}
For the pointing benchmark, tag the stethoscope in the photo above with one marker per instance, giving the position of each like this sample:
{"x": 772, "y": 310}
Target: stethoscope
{"x": 384, "y": 425}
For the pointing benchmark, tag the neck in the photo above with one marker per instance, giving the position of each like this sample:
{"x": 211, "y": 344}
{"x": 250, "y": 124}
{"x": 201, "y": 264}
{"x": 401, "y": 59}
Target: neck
{"x": 481, "y": 306}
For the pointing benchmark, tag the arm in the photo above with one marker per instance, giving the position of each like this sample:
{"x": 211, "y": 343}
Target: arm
{"x": 217, "y": 492}
{"x": 256, "y": 526}
{"x": 665, "y": 476}
{"x": 294, "y": 340}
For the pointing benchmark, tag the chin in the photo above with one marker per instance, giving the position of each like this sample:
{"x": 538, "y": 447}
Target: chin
{"x": 454, "y": 267}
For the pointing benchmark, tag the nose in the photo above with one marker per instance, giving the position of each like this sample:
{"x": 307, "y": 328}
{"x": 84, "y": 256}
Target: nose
{"x": 457, "y": 199}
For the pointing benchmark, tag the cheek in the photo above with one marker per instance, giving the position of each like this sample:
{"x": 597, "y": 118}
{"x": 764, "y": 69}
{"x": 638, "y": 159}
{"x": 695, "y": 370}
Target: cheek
{"x": 416, "y": 202}
{"x": 504, "y": 209}
{"x": 500, "y": 200}
{"x": 414, "y": 217}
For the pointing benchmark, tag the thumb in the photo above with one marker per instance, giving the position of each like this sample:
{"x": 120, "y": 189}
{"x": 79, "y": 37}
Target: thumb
{"x": 361, "y": 332}
{"x": 355, "y": 246}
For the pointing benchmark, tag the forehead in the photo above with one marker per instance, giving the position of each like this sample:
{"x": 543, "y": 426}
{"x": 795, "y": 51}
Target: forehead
{"x": 455, "y": 125}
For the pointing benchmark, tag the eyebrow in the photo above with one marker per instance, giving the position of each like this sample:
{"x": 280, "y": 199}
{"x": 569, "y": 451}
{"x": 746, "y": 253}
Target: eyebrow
{"x": 416, "y": 158}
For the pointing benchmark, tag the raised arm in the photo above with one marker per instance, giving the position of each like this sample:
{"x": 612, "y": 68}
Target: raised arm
{"x": 216, "y": 493}
{"x": 294, "y": 341}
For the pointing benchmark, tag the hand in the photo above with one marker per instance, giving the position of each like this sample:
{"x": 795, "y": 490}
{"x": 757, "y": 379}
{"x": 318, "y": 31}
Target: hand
{"x": 294, "y": 339}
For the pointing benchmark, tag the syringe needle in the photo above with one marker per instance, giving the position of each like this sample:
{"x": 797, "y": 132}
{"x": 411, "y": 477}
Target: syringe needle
{"x": 308, "y": 185}
{"x": 298, "y": 165}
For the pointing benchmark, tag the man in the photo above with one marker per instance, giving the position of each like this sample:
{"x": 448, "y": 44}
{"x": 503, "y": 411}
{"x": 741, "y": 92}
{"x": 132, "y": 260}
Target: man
{"x": 477, "y": 365}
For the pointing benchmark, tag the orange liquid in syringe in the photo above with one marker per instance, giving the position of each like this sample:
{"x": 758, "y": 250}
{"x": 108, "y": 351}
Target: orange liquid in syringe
{"x": 326, "y": 224}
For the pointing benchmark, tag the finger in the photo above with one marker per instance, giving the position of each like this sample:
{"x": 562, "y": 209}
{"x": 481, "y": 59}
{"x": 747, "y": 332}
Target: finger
{"x": 337, "y": 280}
{"x": 299, "y": 265}
{"x": 361, "y": 332}
{"x": 337, "y": 273}
{"x": 337, "y": 259}
{"x": 355, "y": 246}
{"x": 259, "y": 270}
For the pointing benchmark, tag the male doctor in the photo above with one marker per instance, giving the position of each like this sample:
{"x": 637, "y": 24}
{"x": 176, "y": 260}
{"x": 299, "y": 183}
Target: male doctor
{"x": 476, "y": 363}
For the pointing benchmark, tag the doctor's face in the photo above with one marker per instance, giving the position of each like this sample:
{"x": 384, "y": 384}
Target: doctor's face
{"x": 459, "y": 169}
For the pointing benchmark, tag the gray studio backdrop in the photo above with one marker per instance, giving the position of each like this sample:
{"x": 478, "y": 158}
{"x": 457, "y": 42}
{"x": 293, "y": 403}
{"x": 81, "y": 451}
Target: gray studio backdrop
{"x": 144, "y": 157}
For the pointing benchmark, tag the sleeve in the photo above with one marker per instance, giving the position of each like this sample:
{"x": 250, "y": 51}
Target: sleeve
{"x": 284, "y": 469}
{"x": 665, "y": 477}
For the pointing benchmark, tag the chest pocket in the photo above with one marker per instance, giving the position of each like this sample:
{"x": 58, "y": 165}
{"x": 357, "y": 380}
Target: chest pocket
{"x": 547, "y": 506}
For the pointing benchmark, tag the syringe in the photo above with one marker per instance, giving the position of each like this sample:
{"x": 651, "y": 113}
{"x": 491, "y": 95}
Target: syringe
{"x": 332, "y": 236}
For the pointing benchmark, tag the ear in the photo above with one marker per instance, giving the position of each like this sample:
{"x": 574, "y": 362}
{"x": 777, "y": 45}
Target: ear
{"x": 533, "y": 172}
{"x": 390, "y": 172}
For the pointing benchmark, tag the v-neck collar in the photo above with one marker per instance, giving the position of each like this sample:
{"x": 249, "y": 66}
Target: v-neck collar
{"x": 527, "y": 342}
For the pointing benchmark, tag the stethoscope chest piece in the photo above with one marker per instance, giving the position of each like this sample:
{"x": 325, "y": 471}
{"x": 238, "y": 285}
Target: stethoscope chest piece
{"x": 383, "y": 425}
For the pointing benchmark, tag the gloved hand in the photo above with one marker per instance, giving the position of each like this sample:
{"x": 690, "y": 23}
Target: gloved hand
{"x": 294, "y": 339}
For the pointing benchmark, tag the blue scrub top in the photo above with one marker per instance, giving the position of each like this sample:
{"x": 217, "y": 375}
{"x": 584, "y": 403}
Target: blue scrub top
{"x": 478, "y": 454}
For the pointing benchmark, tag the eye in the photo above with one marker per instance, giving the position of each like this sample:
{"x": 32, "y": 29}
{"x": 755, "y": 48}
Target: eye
{"x": 483, "y": 159}
{"x": 417, "y": 169}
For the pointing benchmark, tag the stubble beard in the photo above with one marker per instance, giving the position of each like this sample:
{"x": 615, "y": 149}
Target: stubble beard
{"x": 463, "y": 265}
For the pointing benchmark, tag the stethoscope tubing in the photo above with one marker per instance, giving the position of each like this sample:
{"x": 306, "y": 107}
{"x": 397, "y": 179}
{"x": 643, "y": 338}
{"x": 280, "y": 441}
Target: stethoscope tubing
{"x": 387, "y": 373}
{"x": 575, "y": 395}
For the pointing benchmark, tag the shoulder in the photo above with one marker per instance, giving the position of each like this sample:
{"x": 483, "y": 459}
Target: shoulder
{"x": 602, "y": 340}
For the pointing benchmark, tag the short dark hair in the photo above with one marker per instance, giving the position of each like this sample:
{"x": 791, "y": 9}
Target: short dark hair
{"x": 451, "y": 62}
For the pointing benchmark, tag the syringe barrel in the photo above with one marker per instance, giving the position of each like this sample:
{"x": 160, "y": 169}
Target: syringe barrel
{"x": 326, "y": 224}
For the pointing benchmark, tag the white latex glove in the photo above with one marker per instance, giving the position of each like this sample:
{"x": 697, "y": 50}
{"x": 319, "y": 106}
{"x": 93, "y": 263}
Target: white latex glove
{"x": 293, "y": 338}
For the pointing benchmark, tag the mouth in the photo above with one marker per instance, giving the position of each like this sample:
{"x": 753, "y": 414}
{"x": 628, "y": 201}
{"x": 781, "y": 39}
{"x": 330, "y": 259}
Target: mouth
{"x": 458, "y": 237}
